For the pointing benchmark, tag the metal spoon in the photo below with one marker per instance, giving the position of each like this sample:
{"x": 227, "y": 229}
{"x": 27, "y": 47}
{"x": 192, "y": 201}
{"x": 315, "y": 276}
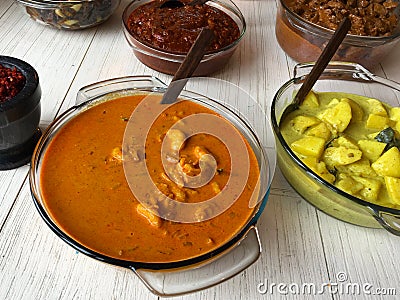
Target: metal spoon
{"x": 177, "y": 3}
{"x": 188, "y": 66}
{"x": 319, "y": 66}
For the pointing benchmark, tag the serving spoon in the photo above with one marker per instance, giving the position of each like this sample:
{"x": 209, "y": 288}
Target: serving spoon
{"x": 177, "y": 3}
{"x": 323, "y": 60}
{"x": 188, "y": 66}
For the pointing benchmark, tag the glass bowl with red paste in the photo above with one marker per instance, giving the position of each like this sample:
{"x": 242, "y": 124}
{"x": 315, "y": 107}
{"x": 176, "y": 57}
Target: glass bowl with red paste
{"x": 20, "y": 112}
{"x": 161, "y": 36}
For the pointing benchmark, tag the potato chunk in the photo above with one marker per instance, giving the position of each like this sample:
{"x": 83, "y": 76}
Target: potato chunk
{"x": 319, "y": 168}
{"x": 339, "y": 156}
{"x": 370, "y": 191}
{"x": 321, "y": 130}
{"x": 376, "y": 107}
{"x": 371, "y": 149}
{"x": 376, "y": 122}
{"x": 309, "y": 146}
{"x": 373, "y": 135}
{"x": 302, "y": 123}
{"x": 356, "y": 110}
{"x": 393, "y": 188}
{"x": 395, "y": 114}
{"x": 310, "y": 161}
{"x": 311, "y": 100}
{"x": 388, "y": 164}
{"x": 338, "y": 116}
{"x": 394, "y": 117}
{"x": 349, "y": 185}
{"x": 345, "y": 141}
{"x": 361, "y": 167}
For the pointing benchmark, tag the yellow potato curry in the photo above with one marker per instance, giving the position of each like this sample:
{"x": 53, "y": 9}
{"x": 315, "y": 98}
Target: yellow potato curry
{"x": 350, "y": 141}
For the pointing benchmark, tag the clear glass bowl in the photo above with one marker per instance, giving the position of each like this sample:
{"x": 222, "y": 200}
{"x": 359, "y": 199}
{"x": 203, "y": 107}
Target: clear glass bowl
{"x": 70, "y": 14}
{"x": 338, "y": 77}
{"x": 304, "y": 41}
{"x": 180, "y": 277}
{"x": 169, "y": 63}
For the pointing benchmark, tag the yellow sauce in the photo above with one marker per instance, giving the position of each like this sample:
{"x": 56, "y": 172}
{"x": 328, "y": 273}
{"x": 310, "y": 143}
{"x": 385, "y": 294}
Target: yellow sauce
{"x": 339, "y": 137}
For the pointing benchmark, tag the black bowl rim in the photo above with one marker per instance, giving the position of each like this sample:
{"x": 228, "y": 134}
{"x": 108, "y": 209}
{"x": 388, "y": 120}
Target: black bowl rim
{"x": 30, "y": 87}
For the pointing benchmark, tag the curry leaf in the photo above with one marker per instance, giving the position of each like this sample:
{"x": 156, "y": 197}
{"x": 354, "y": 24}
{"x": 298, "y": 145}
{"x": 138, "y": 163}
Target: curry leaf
{"x": 385, "y": 136}
{"x": 388, "y": 137}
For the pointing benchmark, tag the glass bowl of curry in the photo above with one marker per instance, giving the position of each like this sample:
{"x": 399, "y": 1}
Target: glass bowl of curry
{"x": 340, "y": 149}
{"x": 161, "y": 37}
{"x": 303, "y": 28}
{"x": 133, "y": 171}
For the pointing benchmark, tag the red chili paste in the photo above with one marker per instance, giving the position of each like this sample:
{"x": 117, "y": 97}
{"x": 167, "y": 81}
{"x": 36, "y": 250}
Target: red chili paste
{"x": 11, "y": 83}
{"x": 176, "y": 29}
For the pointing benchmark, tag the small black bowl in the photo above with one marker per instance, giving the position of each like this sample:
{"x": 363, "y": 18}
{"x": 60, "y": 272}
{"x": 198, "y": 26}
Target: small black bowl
{"x": 20, "y": 117}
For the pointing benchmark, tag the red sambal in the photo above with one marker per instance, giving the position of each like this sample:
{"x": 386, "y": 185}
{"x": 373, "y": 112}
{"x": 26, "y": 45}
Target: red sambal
{"x": 11, "y": 83}
{"x": 175, "y": 29}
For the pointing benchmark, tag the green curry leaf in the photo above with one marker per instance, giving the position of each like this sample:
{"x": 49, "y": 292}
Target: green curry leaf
{"x": 388, "y": 137}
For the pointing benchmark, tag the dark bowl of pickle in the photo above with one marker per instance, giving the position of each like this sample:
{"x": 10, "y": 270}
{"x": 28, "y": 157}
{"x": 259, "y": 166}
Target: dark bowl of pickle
{"x": 70, "y": 14}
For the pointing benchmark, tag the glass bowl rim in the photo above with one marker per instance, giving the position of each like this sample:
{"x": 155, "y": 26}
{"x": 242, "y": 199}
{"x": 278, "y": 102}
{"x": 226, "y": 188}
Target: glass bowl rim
{"x": 179, "y": 57}
{"x": 43, "y": 4}
{"x": 186, "y": 263}
{"x": 304, "y": 167}
{"x": 350, "y": 38}
{"x": 31, "y": 83}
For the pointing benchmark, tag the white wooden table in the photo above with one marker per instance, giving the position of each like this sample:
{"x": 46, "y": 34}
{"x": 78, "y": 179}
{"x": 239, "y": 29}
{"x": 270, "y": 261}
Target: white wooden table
{"x": 300, "y": 244}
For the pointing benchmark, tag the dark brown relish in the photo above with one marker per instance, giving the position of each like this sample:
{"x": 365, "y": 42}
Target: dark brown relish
{"x": 175, "y": 29}
{"x": 368, "y": 18}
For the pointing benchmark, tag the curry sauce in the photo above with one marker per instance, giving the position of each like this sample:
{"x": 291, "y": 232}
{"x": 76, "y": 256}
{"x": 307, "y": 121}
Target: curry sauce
{"x": 86, "y": 192}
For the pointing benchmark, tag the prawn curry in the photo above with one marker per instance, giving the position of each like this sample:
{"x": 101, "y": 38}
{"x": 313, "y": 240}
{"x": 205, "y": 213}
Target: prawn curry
{"x": 86, "y": 193}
